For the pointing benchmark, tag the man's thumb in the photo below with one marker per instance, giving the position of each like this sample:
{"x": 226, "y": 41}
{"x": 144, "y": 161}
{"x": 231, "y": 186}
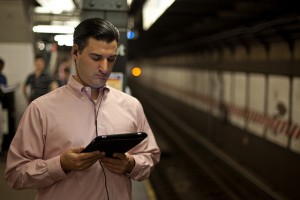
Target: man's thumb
{"x": 77, "y": 149}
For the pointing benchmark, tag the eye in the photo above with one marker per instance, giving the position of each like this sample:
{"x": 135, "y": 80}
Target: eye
{"x": 111, "y": 59}
{"x": 96, "y": 57}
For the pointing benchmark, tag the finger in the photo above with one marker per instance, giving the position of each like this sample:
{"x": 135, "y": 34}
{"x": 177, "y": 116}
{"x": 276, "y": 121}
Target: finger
{"x": 116, "y": 171}
{"x": 114, "y": 161}
{"x": 76, "y": 149}
{"x": 121, "y": 156}
{"x": 114, "y": 168}
{"x": 91, "y": 159}
{"x": 87, "y": 163}
{"x": 92, "y": 154}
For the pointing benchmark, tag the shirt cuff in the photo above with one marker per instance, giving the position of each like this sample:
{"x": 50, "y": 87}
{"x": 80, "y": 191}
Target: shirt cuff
{"x": 54, "y": 169}
{"x": 138, "y": 168}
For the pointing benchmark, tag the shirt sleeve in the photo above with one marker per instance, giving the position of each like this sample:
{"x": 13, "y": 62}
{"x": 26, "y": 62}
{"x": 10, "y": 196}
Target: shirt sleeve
{"x": 27, "y": 81}
{"x": 26, "y": 166}
{"x": 147, "y": 153}
{"x": 4, "y": 80}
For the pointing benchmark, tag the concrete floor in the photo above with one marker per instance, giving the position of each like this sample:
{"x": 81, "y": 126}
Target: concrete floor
{"x": 141, "y": 190}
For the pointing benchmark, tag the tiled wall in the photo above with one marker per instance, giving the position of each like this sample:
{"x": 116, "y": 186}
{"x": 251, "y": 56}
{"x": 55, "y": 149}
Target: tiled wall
{"x": 252, "y": 100}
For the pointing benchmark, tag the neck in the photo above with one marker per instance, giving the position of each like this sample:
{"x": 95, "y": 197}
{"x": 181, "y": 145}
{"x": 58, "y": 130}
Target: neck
{"x": 37, "y": 73}
{"x": 94, "y": 91}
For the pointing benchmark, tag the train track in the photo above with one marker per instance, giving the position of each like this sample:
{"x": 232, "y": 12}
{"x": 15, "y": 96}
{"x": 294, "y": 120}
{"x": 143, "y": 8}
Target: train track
{"x": 190, "y": 167}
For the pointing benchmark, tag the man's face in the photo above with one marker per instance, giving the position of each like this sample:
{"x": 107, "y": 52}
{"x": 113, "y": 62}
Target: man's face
{"x": 40, "y": 64}
{"x": 95, "y": 62}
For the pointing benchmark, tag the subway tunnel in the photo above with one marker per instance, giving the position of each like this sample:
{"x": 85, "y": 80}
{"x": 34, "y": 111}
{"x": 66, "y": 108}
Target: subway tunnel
{"x": 219, "y": 84}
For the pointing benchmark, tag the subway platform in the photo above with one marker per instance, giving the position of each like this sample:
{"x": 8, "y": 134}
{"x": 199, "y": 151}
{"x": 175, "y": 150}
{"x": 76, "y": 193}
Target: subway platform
{"x": 141, "y": 190}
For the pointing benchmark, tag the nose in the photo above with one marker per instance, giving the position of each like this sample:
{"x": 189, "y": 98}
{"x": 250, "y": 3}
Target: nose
{"x": 103, "y": 66}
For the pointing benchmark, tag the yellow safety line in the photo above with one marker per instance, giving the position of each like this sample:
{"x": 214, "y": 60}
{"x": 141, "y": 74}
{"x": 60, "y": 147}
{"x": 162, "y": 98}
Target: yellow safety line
{"x": 150, "y": 191}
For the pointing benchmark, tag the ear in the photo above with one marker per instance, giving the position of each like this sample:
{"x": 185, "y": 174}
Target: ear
{"x": 75, "y": 52}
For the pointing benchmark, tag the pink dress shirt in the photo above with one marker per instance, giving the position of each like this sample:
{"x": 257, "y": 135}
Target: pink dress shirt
{"x": 65, "y": 118}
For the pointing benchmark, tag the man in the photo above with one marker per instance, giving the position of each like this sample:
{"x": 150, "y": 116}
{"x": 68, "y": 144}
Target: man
{"x": 38, "y": 82}
{"x": 46, "y": 152}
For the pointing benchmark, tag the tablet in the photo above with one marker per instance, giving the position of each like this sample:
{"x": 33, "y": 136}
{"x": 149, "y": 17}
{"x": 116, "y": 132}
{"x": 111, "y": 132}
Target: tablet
{"x": 117, "y": 143}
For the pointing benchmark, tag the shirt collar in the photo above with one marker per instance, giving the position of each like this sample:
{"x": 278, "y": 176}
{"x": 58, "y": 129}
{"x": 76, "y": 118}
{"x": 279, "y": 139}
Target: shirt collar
{"x": 80, "y": 90}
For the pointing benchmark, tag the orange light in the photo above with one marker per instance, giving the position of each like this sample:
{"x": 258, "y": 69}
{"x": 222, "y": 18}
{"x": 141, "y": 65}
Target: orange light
{"x": 136, "y": 71}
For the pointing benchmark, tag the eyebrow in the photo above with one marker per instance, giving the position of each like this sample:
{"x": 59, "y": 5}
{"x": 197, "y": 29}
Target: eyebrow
{"x": 95, "y": 54}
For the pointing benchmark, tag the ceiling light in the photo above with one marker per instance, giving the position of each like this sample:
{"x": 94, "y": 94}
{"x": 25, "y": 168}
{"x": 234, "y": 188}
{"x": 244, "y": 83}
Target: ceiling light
{"x": 53, "y": 29}
{"x": 153, "y": 9}
{"x": 73, "y": 22}
{"x": 129, "y": 2}
{"x": 66, "y": 40}
{"x": 55, "y": 6}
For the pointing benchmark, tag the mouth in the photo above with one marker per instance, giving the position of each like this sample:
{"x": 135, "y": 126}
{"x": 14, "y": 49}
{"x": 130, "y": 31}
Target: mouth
{"x": 101, "y": 76}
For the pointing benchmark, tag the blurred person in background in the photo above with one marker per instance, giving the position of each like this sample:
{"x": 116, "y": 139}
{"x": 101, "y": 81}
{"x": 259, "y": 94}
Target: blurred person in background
{"x": 66, "y": 63}
{"x": 3, "y": 80}
{"x": 63, "y": 80}
{"x": 37, "y": 83}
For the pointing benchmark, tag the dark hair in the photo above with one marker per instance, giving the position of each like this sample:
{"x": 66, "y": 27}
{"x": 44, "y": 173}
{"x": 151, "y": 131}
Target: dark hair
{"x": 97, "y": 28}
{"x": 2, "y": 63}
{"x": 39, "y": 57}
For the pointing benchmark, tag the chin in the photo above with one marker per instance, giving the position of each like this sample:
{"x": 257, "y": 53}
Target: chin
{"x": 99, "y": 85}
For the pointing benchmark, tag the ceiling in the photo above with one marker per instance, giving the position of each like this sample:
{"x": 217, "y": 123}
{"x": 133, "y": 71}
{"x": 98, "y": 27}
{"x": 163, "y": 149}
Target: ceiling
{"x": 195, "y": 25}
{"x": 188, "y": 25}
{"x": 14, "y": 22}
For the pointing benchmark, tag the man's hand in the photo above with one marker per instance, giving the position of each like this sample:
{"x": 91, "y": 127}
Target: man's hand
{"x": 121, "y": 163}
{"x": 73, "y": 160}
